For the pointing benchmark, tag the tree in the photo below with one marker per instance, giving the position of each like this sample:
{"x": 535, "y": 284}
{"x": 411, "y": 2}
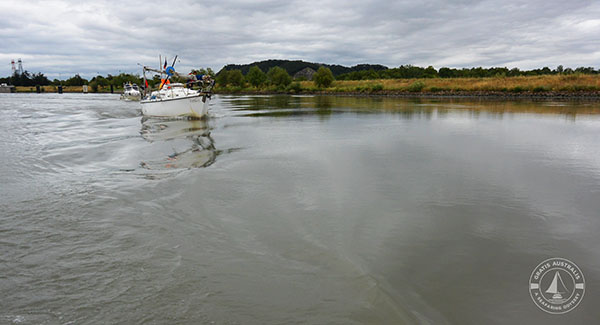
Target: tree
{"x": 323, "y": 77}
{"x": 256, "y": 76}
{"x": 76, "y": 80}
{"x": 222, "y": 78}
{"x": 101, "y": 81}
{"x": 21, "y": 79}
{"x": 430, "y": 72}
{"x": 236, "y": 78}
{"x": 202, "y": 71}
{"x": 40, "y": 79}
{"x": 279, "y": 77}
{"x": 446, "y": 72}
{"x": 123, "y": 78}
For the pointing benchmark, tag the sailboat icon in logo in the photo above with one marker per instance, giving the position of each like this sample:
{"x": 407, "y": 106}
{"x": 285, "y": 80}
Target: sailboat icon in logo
{"x": 557, "y": 288}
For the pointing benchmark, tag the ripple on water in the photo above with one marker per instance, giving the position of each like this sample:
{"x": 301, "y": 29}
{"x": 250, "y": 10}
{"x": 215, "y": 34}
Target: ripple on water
{"x": 283, "y": 209}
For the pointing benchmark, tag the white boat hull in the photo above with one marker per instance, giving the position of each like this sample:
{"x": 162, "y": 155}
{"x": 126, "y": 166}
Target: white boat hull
{"x": 131, "y": 97}
{"x": 189, "y": 106}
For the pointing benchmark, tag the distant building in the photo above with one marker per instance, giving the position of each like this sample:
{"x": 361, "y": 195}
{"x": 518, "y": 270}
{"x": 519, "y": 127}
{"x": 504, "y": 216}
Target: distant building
{"x": 306, "y": 73}
{"x": 4, "y": 88}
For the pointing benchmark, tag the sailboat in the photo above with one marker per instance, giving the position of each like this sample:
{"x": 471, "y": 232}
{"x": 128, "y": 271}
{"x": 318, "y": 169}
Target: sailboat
{"x": 174, "y": 99}
{"x": 557, "y": 288}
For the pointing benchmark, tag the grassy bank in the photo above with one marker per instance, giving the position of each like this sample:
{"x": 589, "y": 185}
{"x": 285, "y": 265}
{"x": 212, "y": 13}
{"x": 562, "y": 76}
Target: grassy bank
{"x": 573, "y": 85}
{"x": 558, "y": 85}
{"x": 66, "y": 89}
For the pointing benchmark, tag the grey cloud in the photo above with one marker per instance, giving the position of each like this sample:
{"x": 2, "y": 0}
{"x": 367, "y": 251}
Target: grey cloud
{"x": 70, "y": 37}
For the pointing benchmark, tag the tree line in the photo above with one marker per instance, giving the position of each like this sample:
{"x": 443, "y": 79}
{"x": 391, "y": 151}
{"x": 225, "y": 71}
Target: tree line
{"x": 412, "y": 72}
{"x": 293, "y": 66}
{"x": 276, "y": 77}
{"x": 28, "y": 79}
{"x": 376, "y": 71}
{"x": 280, "y": 78}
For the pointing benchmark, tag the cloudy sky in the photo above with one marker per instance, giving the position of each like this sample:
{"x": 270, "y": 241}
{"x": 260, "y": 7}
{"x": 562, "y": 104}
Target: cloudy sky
{"x": 91, "y": 37}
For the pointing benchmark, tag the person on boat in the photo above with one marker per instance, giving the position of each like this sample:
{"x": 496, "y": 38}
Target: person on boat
{"x": 192, "y": 79}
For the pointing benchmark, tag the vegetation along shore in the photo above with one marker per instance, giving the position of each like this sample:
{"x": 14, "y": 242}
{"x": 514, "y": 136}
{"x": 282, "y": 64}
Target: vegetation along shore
{"x": 300, "y": 77}
{"x": 374, "y": 80}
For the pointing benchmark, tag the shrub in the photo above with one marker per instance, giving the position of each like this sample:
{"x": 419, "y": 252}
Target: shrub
{"x": 377, "y": 87}
{"x": 416, "y": 87}
{"x": 294, "y": 87}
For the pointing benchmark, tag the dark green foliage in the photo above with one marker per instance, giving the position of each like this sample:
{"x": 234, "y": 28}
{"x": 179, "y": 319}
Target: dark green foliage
{"x": 26, "y": 79}
{"x": 256, "y": 77}
{"x": 323, "y": 77}
{"x": 40, "y": 79}
{"x": 76, "y": 80}
{"x": 235, "y": 78}
{"x": 222, "y": 78}
{"x": 116, "y": 81}
{"x": 446, "y": 73}
{"x": 294, "y": 66}
{"x": 294, "y": 87}
{"x": 377, "y": 87}
{"x": 430, "y": 72}
{"x": 412, "y": 72}
{"x": 203, "y": 71}
{"x": 100, "y": 80}
{"x": 278, "y": 77}
{"x": 416, "y": 86}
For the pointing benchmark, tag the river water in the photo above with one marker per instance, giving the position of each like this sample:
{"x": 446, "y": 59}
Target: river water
{"x": 294, "y": 209}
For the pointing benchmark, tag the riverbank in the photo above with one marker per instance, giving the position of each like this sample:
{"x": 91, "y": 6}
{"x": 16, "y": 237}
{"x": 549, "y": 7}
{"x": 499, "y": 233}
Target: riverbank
{"x": 574, "y": 86}
{"x": 560, "y": 86}
{"x": 586, "y": 95}
{"x": 66, "y": 89}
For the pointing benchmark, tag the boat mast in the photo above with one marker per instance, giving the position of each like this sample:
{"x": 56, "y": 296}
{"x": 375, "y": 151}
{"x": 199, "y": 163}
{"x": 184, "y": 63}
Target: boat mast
{"x": 145, "y": 81}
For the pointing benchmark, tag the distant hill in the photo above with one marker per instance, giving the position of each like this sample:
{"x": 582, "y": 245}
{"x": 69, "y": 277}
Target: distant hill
{"x": 294, "y": 66}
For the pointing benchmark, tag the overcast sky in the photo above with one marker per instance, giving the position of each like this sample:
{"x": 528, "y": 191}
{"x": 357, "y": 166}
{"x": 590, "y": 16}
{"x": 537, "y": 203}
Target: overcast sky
{"x": 90, "y": 37}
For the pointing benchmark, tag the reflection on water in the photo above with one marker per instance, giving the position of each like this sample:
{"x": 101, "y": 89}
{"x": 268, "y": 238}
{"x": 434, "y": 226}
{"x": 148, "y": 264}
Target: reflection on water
{"x": 190, "y": 143}
{"x": 312, "y": 209}
{"x": 280, "y": 106}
